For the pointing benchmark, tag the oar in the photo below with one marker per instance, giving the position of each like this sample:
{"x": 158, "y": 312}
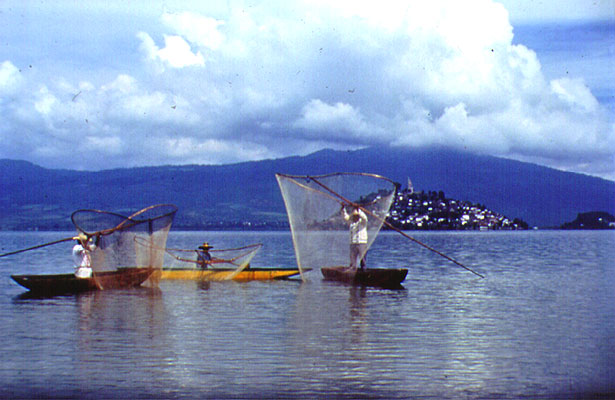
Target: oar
{"x": 39, "y": 246}
{"x": 394, "y": 228}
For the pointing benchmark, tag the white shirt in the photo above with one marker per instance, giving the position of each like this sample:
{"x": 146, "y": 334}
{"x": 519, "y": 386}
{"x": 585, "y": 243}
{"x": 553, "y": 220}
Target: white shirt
{"x": 358, "y": 228}
{"x": 81, "y": 256}
{"x": 83, "y": 262}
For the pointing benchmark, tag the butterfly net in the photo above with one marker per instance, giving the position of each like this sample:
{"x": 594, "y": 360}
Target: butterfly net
{"x": 210, "y": 265}
{"x": 320, "y": 212}
{"x": 125, "y": 250}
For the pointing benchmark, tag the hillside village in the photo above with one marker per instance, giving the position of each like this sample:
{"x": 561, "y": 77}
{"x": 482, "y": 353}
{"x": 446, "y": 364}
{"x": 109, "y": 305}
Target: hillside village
{"x": 433, "y": 211}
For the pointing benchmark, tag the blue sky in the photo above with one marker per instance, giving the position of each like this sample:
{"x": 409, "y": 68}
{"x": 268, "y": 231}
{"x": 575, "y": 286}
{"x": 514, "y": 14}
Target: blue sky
{"x": 88, "y": 85}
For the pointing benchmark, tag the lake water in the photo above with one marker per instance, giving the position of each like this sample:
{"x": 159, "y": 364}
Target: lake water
{"x": 542, "y": 324}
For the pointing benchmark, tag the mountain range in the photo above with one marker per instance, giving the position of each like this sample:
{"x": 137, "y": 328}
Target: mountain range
{"x": 246, "y": 195}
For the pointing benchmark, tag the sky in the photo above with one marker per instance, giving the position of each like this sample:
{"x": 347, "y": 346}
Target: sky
{"x": 99, "y": 85}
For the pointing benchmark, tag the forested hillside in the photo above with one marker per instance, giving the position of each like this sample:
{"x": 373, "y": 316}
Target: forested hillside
{"x": 246, "y": 195}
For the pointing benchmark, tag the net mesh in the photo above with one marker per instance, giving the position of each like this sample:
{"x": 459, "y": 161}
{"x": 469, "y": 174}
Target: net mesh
{"x": 120, "y": 246}
{"x": 320, "y": 209}
{"x": 220, "y": 265}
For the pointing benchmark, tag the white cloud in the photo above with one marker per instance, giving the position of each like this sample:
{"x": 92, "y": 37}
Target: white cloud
{"x": 9, "y": 78}
{"x": 197, "y": 29}
{"x": 126, "y": 100}
{"x": 337, "y": 120}
{"x": 575, "y": 94}
{"x": 176, "y": 53}
{"x": 105, "y": 145}
{"x": 45, "y": 101}
{"x": 285, "y": 79}
{"x": 148, "y": 46}
{"x": 123, "y": 84}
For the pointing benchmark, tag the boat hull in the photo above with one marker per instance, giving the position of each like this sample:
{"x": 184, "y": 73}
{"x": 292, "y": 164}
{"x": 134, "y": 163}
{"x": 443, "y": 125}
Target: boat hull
{"x": 212, "y": 274}
{"x": 68, "y": 283}
{"x": 378, "y": 277}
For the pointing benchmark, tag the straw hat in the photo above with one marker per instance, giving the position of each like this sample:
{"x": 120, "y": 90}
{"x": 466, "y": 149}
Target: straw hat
{"x": 205, "y": 246}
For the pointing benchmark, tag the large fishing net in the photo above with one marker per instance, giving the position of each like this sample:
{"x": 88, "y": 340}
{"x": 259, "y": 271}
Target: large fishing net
{"x": 123, "y": 250}
{"x": 320, "y": 212}
{"x": 210, "y": 265}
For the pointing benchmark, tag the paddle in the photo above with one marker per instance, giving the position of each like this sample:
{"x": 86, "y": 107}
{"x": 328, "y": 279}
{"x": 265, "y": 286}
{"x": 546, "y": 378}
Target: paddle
{"x": 394, "y": 228}
{"x": 39, "y": 246}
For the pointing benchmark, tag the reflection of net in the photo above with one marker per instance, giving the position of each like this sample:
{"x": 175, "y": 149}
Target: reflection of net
{"x": 313, "y": 204}
{"x": 224, "y": 264}
{"x": 118, "y": 243}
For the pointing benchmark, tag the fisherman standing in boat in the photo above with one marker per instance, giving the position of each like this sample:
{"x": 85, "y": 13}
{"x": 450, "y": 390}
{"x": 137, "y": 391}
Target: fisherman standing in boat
{"x": 82, "y": 257}
{"x": 358, "y": 235}
{"x": 203, "y": 257}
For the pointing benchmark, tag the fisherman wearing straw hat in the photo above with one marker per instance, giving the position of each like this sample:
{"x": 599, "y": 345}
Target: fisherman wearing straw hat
{"x": 82, "y": 257}
{"x": 358, "y": 235}
{"x": 203, "y": 257}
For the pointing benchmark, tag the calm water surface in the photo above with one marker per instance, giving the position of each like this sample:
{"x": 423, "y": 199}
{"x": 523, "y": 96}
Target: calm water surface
{"x": 542, "y": 324}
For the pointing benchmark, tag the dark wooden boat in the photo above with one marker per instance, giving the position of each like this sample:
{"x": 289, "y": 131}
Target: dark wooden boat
{"x": 68, "y": 283}
{"x": 378, "y": 277}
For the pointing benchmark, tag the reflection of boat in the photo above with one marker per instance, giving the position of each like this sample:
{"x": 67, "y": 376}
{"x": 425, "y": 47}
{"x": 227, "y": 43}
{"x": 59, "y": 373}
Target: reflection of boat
{"x": 213, "y": 274}
{"x": 379, "y": 277}
{"x": 69, "y": 283}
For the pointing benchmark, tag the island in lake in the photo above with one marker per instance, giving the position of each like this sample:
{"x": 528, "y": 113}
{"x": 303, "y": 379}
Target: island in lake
{"x": 434, "y": 211}
{"x": 591, "y": 220}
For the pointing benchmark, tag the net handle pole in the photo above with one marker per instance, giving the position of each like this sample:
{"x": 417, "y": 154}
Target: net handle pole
{"x": 121, "y": 224}
{"x": 384, "y": 221}
{"x": 125, "y": 221}
{"x": 39, "y": 246}
{"x": 430, "y": 248}
{"x": 98, "y": 284}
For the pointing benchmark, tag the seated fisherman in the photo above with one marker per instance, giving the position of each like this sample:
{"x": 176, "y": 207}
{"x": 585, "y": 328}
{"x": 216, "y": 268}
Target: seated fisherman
{"x": 203, "y": 257}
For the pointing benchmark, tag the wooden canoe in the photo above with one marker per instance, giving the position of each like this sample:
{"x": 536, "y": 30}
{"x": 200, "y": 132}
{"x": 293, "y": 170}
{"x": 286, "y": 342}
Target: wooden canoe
{"x": 53, "y": 284}
{"x": 212, "y": 274}
{"x": 378, "y": 277}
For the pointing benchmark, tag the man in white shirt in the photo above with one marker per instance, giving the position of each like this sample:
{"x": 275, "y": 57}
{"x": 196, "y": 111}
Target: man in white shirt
{"x": 82, "y": 258}
{"x": 358, "y": 235}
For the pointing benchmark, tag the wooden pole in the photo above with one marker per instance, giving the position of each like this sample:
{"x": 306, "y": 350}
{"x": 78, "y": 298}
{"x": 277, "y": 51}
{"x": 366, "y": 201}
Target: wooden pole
{"x": 395, "y": 229}
{"x": 39, "y": 246}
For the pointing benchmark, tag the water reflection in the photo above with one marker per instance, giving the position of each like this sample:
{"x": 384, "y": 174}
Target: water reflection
{"x": 203, "y": 285}
{"x": 339, "y": 338}
{"x": 539, "y": 324}
{"x": 132, "y": 320}
{"x": 358, "y": 318}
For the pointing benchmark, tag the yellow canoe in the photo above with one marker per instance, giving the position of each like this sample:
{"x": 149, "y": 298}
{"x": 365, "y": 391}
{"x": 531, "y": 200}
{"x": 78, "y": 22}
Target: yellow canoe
{"x": 212, "y": 274}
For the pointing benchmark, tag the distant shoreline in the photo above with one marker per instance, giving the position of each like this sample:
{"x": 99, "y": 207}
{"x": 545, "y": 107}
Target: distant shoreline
{"x": 384, "y": 229}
